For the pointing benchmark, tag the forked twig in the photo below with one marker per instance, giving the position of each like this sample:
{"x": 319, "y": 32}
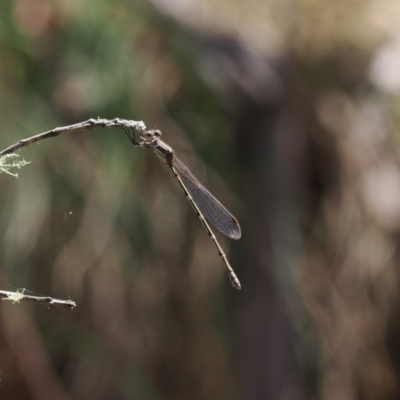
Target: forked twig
{"x": 19, "y": 295}
{"x": 88, "y": 125}
{"x": 136, "y": 126}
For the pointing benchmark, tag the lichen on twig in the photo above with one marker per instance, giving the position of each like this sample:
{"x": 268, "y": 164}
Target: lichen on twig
{"x": 11, "y": 161}
{"x": 19, "y": 295}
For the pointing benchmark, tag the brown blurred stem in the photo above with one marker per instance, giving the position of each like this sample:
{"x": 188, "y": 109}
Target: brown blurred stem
{"x": 88, "y": 125}
{"x": 18, "y": 296}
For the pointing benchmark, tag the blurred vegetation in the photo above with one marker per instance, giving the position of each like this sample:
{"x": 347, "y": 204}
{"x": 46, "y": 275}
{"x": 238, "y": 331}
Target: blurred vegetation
{"x": 287, "y": 112}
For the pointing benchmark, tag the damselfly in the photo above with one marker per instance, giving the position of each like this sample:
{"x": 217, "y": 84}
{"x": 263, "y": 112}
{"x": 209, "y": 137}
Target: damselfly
{"x": 203, "y": 202}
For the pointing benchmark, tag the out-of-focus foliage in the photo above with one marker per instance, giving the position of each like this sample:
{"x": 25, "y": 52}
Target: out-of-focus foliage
{"x": 287, "y": 112}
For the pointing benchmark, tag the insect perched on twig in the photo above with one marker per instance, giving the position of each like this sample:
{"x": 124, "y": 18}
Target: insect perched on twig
{"x": 203, "y": 202}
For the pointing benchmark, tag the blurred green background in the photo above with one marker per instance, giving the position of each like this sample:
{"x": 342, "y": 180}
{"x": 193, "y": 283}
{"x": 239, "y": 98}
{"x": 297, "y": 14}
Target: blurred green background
{"x": 288, "y": 113}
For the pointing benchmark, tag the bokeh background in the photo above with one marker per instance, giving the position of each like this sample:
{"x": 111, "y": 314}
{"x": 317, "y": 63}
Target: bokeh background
{"x": 289, "y": 112}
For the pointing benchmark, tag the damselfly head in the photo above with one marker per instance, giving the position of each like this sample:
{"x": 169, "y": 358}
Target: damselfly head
{"x": 152, "y": 136}
{"x": 148, "y": 137}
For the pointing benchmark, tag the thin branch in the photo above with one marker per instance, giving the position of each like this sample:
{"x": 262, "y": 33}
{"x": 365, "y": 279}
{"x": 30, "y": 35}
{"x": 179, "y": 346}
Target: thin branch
{"x": 18, "y": 296}
{"x": 88, "y": 125}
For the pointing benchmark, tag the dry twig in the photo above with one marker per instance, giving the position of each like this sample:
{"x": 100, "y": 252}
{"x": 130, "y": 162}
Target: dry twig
{"x": 88, "y": 125}
{"x": 19, "y": 295}
{"x": 138, "y": 126}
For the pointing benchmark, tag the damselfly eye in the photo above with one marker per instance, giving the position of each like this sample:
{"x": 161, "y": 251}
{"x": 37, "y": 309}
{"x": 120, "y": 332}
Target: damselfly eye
{"x": 157, "y": 133}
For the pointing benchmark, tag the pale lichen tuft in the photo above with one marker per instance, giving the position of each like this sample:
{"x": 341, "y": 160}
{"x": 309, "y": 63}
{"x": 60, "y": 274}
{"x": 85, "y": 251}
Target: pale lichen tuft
{"x": 9, "y": 162}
